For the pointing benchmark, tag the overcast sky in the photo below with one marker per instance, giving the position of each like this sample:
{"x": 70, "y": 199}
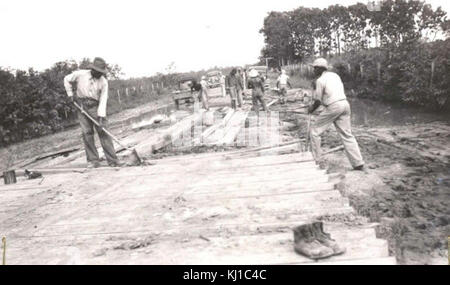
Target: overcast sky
{"x": 143, "y": 37}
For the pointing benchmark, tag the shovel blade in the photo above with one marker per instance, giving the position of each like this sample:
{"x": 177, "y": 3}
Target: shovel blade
{"x": 133, "y": 159}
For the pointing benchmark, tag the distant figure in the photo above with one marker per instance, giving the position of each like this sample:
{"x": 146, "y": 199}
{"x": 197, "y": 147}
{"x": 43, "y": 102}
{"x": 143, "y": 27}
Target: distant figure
{"x": 282, "y": 83}
{"x": 256, "y": 83}
{"x": 329, "y": 92}
{"x": 222, "y": 84}
{"x": 92, "y": 95}
{"x": 195, "y": 86}
{"x": 240, "y": 75}
{"x": 244, "y": 78}
{"x": 234, "y": 85}
{"x": 203, "y": 93}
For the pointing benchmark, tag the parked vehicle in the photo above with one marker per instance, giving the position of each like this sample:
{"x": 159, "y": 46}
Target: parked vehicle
{"x": 183, "y": 92}
{"x": 214, "y": 83}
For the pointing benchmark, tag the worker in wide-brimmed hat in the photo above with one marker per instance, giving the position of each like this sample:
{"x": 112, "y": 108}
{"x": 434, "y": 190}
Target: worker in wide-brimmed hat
{"x": 92, "y": 95}
{"x": 256, "y": 83}
{"x": 329, "y": 93}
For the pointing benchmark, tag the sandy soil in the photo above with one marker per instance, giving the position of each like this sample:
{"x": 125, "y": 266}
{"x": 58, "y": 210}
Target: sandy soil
{"x": 406, "y": 187}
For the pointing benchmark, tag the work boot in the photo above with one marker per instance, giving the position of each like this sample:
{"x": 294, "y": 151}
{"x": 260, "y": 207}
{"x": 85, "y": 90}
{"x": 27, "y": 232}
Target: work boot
{"x": 306, "y": 244}
{"x": 116, "y": 164}
{"x": 359, "y": 168}
{"x": 325, "y": 239}
{"x": 93, "y": 164}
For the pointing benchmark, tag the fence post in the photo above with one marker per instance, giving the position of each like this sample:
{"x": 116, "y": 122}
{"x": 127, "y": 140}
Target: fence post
{"x": 433, "y": 66}
{"x": 379, "y": 71}
{"x": 118, "y": 96}
{"x": 361, "y": 69}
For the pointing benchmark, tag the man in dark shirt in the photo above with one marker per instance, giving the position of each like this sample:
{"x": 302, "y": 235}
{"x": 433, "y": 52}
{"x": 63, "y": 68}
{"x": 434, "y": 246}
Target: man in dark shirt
{"x": 256, "y": 83}
{"x": 234, "y": 84}
{"x": 195, "y": 86}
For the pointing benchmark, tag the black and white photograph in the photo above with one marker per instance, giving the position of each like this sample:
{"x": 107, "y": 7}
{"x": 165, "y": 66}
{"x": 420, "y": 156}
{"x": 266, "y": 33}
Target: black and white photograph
{"x": 224, "y": 132}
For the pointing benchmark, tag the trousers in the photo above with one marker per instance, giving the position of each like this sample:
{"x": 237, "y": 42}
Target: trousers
{"x": 339, "y": 114}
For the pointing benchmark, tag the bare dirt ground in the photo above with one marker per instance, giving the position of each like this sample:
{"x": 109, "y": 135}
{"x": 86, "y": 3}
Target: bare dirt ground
{"x": 406, "y": 187}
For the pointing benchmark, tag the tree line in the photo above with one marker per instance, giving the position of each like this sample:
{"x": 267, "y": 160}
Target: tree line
{"x": 400, "y": 52}
{"x": 34, "y": 104}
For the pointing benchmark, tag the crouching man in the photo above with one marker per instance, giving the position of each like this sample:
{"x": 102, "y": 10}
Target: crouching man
{"x": 92, "y": 95}
{"x": 329, "y": 93}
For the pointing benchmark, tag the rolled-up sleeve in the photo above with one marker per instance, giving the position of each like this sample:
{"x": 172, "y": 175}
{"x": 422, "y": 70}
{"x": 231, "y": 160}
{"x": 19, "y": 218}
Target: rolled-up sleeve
{"x": 103, "y": 100}
{"x": 318, "y": 93}
{"x": 68, "y": 80}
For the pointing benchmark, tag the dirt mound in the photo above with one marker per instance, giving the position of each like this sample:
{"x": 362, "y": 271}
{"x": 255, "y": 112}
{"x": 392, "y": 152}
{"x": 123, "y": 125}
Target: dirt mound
{"x": 407, "y": 191}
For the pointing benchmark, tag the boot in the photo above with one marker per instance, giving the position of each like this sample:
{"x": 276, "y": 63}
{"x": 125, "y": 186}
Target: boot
{"x": 307, "y": 245}
{"x": 325, "y": 239}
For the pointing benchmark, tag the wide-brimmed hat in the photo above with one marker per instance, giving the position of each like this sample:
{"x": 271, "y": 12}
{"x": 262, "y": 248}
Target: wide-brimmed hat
{"x": 321, "y": 62}
{"x": 99, "y": 65}
{"x": 253, "y": 73}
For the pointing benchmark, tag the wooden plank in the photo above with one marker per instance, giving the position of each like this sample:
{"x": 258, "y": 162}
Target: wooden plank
{"x": 365, "y": 261}
{"x": 96, "y": 218}
{"x": 251, "y": 250}
{"x": 170, "y": 135}
{"x": 192, "y": 231}
{"x": 241, "y": 250}
{"x": 192, "y": 222}
{"x": 225, "y": 155}
{"x": 209, "y": 131}
{"x": 225, "y": 158}
{"x": 220, "y": 131}
{"x": 222, "y": 182}
{"x": 233, "y": 128}
{"x": 62, "y": 152}
{"x": 179, "y": 184}
{"x": 266, "y": 190}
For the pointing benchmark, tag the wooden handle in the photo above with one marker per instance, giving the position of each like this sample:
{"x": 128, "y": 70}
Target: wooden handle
{"x": 4, "y": 250}
{"x": 97, "y": 124}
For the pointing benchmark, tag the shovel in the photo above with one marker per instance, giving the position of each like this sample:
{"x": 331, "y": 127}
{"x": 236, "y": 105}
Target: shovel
{"x": 308, "y": 135}
{"x": 133, "y": 159}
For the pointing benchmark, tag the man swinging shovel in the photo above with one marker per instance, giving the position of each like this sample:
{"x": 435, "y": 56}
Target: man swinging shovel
{"x": 92, "y": 95}
{"x": 329, "y": 93}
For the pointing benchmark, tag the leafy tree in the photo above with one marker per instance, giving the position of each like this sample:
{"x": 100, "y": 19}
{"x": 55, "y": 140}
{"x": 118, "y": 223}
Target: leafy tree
{"x": 277, "y": 36}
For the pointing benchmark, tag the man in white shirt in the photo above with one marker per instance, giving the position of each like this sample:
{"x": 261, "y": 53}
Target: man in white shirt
{"x": 330, "y": 94}
{"x": 282, "y": 83}
{"x": 92, "y": 94}
{"x": 222, "y": 84}
{"x": 203, "y": 94}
